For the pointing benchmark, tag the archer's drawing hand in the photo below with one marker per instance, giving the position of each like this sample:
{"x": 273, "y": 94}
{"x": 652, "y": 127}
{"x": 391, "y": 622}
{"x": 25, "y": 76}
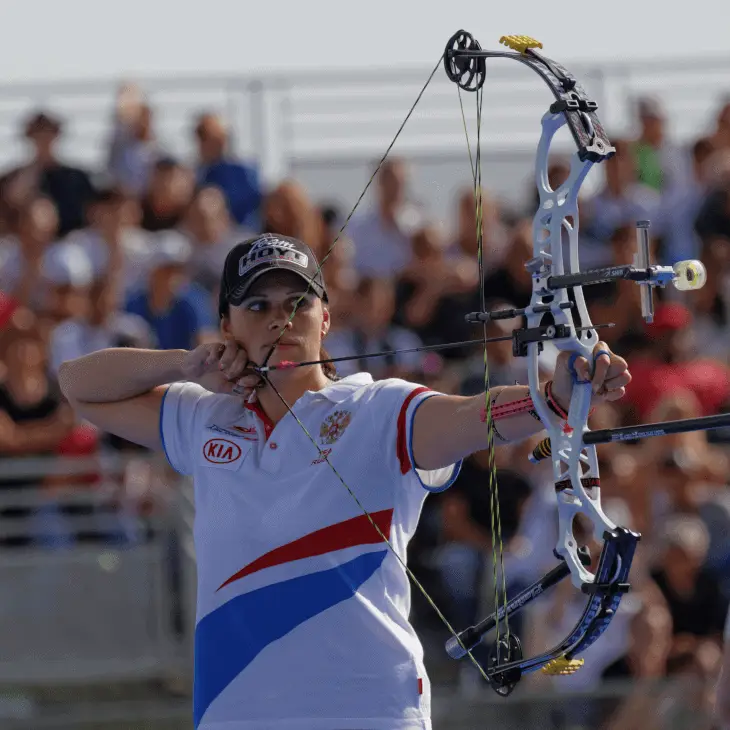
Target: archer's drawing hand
{"x": 609, "y": 378}
{"x": 221, "y": 367}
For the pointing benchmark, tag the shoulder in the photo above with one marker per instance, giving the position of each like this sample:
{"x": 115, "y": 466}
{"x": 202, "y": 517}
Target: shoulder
{"x": 189, "y": 408}
{"x": 362, "y": 386}
{"x": 209, "y": 406}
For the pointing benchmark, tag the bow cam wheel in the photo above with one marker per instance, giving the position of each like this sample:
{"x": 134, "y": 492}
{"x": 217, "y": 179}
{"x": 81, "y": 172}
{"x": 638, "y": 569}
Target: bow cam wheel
{"x": 468, "y": 72}
{"x": 506, "y": 650}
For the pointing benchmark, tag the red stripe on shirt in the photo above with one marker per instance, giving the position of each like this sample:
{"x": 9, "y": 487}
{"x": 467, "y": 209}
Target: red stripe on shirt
{"x": 356, "y": 531}
{"x": 261, "y": 413}
{"x": 401, "y": 445}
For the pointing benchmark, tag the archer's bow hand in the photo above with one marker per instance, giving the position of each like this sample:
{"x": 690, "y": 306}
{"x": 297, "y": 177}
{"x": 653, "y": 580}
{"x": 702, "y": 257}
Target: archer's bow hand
{"x": 609, "y": 376}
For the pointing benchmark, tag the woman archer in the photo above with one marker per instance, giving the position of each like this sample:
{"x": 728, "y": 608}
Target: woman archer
{"x": 302, "y": 611}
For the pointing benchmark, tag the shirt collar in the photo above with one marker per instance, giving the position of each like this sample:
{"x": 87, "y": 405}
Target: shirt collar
{"x": 337, "y": 391}
{"x": 342, "y": 389}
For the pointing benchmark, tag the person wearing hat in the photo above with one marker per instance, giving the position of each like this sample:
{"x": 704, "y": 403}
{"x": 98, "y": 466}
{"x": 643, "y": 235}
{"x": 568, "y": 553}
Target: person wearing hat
{"x": 69, "y": 187}
{"x": 178, "y": 311}
{"x": 302, "y": 611}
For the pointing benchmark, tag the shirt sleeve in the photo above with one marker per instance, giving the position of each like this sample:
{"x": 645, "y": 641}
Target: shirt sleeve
{"x": 184, "y": 411}
{"x": 394, "y": 408}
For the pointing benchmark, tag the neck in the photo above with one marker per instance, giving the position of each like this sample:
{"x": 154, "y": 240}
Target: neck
{"x": 290, "y": 389}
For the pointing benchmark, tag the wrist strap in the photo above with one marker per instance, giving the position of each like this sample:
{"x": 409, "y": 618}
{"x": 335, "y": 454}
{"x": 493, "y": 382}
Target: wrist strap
{"x": 513, "y": 408}
{"x": 554, "y": 406}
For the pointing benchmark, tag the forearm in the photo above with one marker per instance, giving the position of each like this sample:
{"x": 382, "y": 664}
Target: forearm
{"x": 450, "y": 428}
{"x": 513, "y": 428}
{"x": 116, "y": 374}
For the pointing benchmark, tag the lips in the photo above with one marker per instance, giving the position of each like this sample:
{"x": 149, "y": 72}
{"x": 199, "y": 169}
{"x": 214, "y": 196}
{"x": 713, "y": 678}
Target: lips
{"x": 283, "y": 344}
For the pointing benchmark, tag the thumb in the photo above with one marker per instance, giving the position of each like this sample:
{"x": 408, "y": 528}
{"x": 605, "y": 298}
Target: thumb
{"x": 582, "y": 368}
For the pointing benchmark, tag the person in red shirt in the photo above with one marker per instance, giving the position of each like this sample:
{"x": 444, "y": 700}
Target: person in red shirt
{"x": 668, "y": 365}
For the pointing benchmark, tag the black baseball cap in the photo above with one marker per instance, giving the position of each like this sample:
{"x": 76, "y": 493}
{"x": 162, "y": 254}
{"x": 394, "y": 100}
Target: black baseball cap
{"x": 252, "y": 258}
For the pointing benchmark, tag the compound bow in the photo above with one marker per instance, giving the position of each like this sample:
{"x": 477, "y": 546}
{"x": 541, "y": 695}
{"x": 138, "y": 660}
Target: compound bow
{"x": 557, "y": 313}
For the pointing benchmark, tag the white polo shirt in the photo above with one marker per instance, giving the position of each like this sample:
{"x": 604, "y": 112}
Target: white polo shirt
{"x": 302, "y": 611}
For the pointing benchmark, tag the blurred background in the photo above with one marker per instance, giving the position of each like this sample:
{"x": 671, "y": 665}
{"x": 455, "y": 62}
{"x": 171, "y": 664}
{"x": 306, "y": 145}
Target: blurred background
{"x": 128, "y": 167}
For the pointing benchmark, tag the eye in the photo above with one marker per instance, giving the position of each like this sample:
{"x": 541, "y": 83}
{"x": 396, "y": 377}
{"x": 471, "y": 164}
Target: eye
{"x": 256, "y": 305}
{"x": 306, "y": 301}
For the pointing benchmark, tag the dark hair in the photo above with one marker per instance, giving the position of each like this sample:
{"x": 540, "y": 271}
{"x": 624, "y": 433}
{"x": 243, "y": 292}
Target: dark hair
{"x": 328, "y": 367}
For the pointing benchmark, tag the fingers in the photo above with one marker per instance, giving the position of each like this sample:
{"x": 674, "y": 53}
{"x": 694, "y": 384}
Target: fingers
{"x": 232, "y": 352}
{"x": 214, "y": 354}
{"x": 602, "y": 358}
{"x": 610, "y": 375}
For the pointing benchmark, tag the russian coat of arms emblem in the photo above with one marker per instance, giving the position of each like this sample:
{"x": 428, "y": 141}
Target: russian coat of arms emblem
{"x": 334, "y": 426}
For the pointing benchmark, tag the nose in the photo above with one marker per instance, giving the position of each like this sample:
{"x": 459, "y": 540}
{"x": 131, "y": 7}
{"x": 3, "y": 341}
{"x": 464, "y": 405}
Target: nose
{"x": 281, "y": 321}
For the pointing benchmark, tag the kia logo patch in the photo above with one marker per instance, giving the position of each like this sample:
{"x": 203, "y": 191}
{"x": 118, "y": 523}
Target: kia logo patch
{"x": 221, "y": 451}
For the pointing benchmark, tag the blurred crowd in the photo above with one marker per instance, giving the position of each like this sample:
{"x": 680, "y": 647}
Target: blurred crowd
{"x": 130, "y": 255}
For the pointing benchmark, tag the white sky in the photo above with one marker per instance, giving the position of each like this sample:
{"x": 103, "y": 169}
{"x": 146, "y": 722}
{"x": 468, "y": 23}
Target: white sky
{"x": 82, "y": 39}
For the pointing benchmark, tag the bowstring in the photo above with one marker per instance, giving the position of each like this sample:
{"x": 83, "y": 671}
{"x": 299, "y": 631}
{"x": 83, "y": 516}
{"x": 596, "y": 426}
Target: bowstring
{"x": 475, "y": 162}
{"x": 322, "y": 453}
{"x": 352, "y": 212}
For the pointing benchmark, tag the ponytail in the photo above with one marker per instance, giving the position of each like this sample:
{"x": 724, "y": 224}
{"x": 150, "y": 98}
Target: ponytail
{"x": 328, "y": 367}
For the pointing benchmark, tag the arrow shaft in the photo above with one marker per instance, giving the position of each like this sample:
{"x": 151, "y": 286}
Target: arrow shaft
{"x": 288, "y": 365}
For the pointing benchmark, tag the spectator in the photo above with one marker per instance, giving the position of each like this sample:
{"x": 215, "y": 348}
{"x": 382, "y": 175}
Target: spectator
{"x": 427, "y": 303}
{"x": 238, "y": 181}
{"x": 649, "y": 645}
{"x": 710, "y": 304}
{"x": 511, "y": 281}
{"x": 695, "y": 602}
{"x": 373, "y": 331}
{"x": 659, "y": 165}
{"x": 68, "y": 187}
{"x": 33, "y": 416}
{"x": 669, "y": 364}
{"x": 342, "y": 281}
{"x": 68, "y": 273}
{"x": 115, "y": 244}
{"x": 212, "y": 232}
{"x": 623, "y": 199}
{"x": 721, "y": 136}
{"x": 495, "y": 238}
{"x": 713, "y": 217}
{"x": 167, "y": 197}
{"x": 382, "y": 236}
{"x": 133, "y": 150}
{"x": 179, "y": 313}
{"x": 682, "y": 201}
{"x": 103, "y": 325}
{"x": 22, "y": 255}
{"x": 288, "y": 211}
{"x": 618, "y": 301}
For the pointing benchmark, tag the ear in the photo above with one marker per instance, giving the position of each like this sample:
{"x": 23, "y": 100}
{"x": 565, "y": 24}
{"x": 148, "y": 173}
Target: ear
{"x": 225, "y": 326}
{"x": 325, "y": 322}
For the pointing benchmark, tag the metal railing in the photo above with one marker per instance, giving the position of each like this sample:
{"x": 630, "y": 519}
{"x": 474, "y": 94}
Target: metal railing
{"x": 91, "y": 585}
{"x": 338, "y": 118}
